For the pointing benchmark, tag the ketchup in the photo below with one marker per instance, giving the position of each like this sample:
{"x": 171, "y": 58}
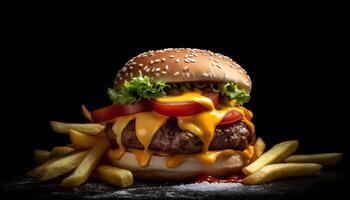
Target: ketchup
{"x": 210, "y": 179}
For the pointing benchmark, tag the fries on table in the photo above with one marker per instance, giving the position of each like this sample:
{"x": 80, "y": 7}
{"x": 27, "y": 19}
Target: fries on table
{"x": 41, "y": 156}
{"x": 61, "y": 151}
{"x": 259, "y": 149}
{"x": 57, "y": 166}
{"x": 89, "y": 128}
{"x": 81, "y": 140}
{"x": 325, "y": 159}
{"x": 282, "y": 170}
{"x": 276, "y": 154}
{"x": 86, "y": 167}
{"x": 115, "y": 176}
{"x": 86, "y": 113}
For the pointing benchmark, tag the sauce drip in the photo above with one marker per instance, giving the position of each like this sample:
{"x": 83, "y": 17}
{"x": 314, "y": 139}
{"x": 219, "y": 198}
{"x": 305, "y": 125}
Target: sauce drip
{"x": 210, "y": 179}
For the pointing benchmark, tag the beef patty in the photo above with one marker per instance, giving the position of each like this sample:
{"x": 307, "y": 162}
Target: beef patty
{"x": 171, "y": 139}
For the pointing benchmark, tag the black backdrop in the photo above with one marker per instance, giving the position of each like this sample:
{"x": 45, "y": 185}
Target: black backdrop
{"x": 297, "y": 68}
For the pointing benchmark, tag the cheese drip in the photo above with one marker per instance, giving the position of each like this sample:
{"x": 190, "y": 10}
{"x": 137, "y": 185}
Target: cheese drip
{"x": 202, "y": 125}
{"x": 147, "y": 124}
{"x": 208, "y": 157}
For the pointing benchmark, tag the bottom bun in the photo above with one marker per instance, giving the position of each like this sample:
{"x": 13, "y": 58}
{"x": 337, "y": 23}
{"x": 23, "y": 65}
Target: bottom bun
{"x": 190, "y": 168}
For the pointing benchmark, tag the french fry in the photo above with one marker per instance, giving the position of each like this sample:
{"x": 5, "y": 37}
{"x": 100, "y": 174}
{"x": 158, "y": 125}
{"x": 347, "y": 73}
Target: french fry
{"x": 35, "y": 172}
{"x": 275, "y": 155}
{"x": 259, "y": 149}
{"x": 41, "y": 156}
{"x": 81, "y": 140}
{"x": 281, "y": 170}
{"x": 61, "y": 151}
{"x": 57, "y": 166}
{"x": 325, "y": 159}
{"x": 86, "y": 167}
{"x": 89, "y": 128}
{"x": 86, "y": 113}
{"x": 115, "y": 176}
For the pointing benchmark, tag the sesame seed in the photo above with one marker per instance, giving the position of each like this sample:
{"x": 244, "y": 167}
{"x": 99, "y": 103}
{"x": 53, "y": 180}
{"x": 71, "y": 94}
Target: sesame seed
{"x": 130, "y": 67}
{"x": 177, "y": 60}
{"x": 210, "y": 58}
{"x": 120, "y": 78}
{"x": 140, "y": 72}
{"x": 215, "y": 60}
{"x": 186, "y": 68}
{"x": 176, "y": 73}
{"x": 118, "y": 75}
{"x": 126, "y": 74}
{"x": 177, "y": 51}
{"x": 156, "y": 60}
{"x": 164, "y": 72}
{"x": 133, "y": 63}
{"x": 219, "y": 66}
{"x": 131, "y": 74}
{"x": 144, "y": 55}
{"x": 124, "y": 69}
{"x": 158, "y": 69}
{"x": 188, "y": 75}
{"x": 187, "y": 60}
{"x": 147, "y": 70}
{"x": 171, "y": 56}
{"x": 153, "y": 69}
{"x": 151, "y": 62}
{"x": 141, "y": 65}
{"x": 205, "y": 74}
{"x": 163, "y": 59}
{"x": 157, "y": 74}
{"x": 166, "y": 67}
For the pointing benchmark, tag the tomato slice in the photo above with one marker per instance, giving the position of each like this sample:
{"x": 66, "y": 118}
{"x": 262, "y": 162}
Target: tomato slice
{"x": 231, "y": 117}
{"x": 117, "y": 110}
{"x": 177, "y": 109}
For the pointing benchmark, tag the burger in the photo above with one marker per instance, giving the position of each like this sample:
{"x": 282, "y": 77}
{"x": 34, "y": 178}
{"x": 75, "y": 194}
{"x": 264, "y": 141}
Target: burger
{"x": 177, "y": 114}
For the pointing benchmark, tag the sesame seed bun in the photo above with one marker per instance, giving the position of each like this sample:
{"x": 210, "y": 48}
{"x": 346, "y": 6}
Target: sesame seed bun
{"x": 184, "y": 65}
{"x": 189, "y": 169}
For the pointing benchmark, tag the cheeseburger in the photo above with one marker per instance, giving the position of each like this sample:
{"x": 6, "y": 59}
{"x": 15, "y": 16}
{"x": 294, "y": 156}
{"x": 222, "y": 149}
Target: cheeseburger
{"x": 178, "y": 114}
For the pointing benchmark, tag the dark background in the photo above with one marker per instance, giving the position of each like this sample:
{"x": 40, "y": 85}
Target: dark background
{"x": 297, "y": 61}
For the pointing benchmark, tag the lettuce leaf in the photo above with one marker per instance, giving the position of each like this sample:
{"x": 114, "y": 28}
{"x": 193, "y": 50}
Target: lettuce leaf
{"x": 142, "y": 88}
{"x": 232, "y": 91}
{"x": 137, "y": 89}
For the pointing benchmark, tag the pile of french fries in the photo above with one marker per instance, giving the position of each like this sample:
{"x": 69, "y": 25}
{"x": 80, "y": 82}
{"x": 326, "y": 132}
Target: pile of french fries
{"x": 81, "y": 159}
{"x": 278, "y": 163}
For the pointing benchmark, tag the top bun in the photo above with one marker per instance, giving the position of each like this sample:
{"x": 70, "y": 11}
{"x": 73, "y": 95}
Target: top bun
{"x": 176, "y": 65}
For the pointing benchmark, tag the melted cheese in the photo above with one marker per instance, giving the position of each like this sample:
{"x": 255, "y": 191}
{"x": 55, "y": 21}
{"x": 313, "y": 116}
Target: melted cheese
{"x": 208, "y": 157}
{"x": 202, "y": 124}
{"x": 147, "y": 124}
{"x": 195, "y": 95}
